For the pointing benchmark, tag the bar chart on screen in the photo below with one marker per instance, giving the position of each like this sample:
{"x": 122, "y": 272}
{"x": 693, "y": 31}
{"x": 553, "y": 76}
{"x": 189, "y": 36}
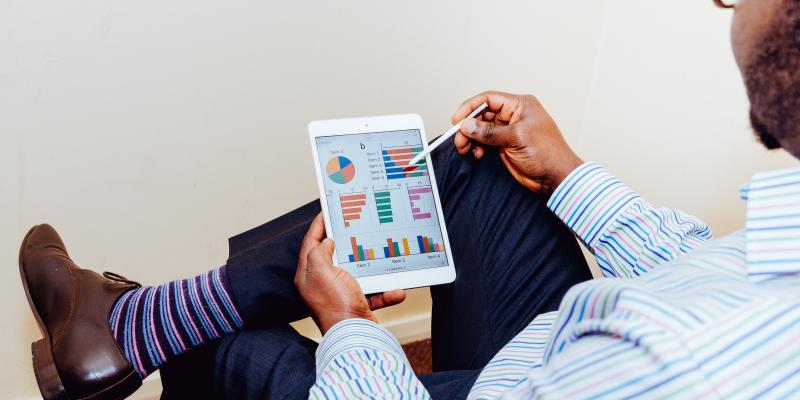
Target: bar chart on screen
{"x": 420, "y": 244}
{"x": 359, "y": 252}
{"x": 382, "y": 211}
{"x": 352, "y": 207}
{"x": 395, "y": 160}
{"x": 383, "y": 206}
{"x": 421, "y": 200}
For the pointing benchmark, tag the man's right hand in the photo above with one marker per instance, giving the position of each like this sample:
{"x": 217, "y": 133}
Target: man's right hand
{"x": 526, "y": 137}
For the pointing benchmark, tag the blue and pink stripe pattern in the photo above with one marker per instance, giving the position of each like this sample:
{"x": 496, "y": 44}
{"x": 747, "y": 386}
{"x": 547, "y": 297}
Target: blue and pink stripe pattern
{"x": 371, "y": 361}
{"x": 154, "y": 324}
{"x": 683, "y": 316}
{"x": 773, "y": 224}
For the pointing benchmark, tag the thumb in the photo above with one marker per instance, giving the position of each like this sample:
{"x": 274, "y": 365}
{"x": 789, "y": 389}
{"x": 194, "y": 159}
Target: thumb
{"x": 488, "y": 133}
{"x": 321, "y": 255}
{"x": 327, "y": 245}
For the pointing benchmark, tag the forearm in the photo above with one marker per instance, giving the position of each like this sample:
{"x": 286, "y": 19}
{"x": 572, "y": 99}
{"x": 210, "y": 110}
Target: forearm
{"x": 626, "y": 234}
{"x": 358, "y": 358}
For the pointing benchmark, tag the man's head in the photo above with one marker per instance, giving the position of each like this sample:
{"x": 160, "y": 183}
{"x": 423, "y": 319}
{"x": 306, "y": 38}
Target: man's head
{"x": 766, "y": 44}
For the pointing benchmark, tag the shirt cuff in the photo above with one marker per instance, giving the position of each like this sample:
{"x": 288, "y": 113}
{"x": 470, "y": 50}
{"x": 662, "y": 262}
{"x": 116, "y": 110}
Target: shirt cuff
{"x": 355, "y": 334}
{"x": 589, "y": 200}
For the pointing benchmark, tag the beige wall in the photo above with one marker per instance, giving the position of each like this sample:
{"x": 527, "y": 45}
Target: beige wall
{"x": 667, "y": 112}
{"x": 148, "y": 132}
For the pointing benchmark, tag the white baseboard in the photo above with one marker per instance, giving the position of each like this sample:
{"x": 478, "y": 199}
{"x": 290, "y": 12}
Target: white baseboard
{"x": 151, "y": 388}
{"x": 406, "y": 330}
{"x": 411, "y": 329}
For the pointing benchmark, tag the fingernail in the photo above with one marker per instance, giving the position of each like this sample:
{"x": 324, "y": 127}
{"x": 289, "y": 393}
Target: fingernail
{"x": 469, "y": 125}
{"x": 326, "y": 240}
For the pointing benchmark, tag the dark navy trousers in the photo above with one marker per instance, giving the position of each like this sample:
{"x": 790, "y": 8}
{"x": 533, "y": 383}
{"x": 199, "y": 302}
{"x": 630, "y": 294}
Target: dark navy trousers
{"x": 514, "y": 259}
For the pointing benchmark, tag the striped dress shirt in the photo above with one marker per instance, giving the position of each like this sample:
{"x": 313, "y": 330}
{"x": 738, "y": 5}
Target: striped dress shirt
{"x": 678, "y": 315}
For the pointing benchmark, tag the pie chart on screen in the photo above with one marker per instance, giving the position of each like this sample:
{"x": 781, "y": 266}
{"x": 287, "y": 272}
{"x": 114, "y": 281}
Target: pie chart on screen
{"x": 340, "y": 169}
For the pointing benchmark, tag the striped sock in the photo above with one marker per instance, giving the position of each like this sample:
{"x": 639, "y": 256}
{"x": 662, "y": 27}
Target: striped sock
{"x": 154, "y": 324}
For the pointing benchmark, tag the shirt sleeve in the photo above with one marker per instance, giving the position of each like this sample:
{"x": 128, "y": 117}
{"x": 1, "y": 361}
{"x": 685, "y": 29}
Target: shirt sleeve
{"x": 613, "y": 367}
{"x": 359, "y": 359}
{"x": 519, "y": 357}
{"x": 626, "y": 234}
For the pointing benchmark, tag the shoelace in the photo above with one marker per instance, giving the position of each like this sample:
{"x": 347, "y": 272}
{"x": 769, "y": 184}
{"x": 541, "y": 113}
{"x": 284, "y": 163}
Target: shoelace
{"x": 121, "y": 279}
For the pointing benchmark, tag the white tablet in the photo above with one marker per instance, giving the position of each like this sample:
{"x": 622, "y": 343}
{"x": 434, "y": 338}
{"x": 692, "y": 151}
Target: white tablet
{"x": 384, "y": 216}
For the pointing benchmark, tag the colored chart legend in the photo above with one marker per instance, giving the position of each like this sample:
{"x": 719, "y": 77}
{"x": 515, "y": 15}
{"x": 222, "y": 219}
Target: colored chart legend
{"x": 352, "y": 206}
{"x": 396, "y": 159}
{"x": 359, "y": 252}
{"x": 383, "y": 203}
{"x": 415, "y": 197}
{"x": 427, "y": 245}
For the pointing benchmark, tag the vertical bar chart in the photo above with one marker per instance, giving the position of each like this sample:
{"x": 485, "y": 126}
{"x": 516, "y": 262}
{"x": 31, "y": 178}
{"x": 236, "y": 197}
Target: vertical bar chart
{"x": 392, "y": 249}
{"x": 352, "y": 207}
{"x": 359, "y": 252}
{"x": 403, "y": 248}
{"x": 427, "y": 245}
{"x": 383, "y": 204}
{"x": 395, "y": 160}
{"x": 415, "y": 195}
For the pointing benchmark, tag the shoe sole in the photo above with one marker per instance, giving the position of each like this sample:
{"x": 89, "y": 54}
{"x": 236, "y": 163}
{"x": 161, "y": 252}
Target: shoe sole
{"x": 44, "y": 366}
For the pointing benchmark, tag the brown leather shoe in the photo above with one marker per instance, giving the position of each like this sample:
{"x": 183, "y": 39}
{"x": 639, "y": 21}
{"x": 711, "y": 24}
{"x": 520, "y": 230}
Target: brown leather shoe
{"x": 78, "y": 357}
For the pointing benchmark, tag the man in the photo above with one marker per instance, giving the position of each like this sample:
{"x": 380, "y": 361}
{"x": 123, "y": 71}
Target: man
{"x": 684, "y": 317}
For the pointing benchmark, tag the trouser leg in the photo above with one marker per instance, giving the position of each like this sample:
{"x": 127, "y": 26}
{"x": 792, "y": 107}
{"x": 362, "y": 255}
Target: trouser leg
{"x": 514, "y": 259}
{"x": 269, "y": 363}
{"x": 261, "y": 269}
{"x": 274, "y": 363}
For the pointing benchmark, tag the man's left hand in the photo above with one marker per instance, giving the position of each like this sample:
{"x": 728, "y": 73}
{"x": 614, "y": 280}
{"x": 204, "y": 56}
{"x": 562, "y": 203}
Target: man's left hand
{"x": 332, "y": 294}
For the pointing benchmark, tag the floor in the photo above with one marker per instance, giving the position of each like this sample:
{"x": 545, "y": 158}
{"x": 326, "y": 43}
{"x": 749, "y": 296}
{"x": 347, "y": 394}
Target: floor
{"x": 419, "y": 355}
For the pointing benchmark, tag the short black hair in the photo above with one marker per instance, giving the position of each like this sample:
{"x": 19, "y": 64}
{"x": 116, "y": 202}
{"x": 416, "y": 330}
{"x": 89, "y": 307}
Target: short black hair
{"x": 772, "y": 79}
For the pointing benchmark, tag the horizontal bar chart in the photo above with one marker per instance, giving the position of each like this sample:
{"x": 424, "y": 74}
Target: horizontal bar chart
{"x": 395, "y": 160}
{"x": 383, "y": 205}
{"x": 415, "y": 195}
{"x": 352, "y": 207}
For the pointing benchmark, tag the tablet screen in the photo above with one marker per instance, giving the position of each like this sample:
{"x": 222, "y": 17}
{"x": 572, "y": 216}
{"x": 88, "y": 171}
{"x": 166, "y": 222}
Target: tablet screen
{"x": 382, "y": 211}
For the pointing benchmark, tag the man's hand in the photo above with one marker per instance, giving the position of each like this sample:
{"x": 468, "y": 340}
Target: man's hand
{"x": 332, "y": 294}
{"x": 527, "y": 139}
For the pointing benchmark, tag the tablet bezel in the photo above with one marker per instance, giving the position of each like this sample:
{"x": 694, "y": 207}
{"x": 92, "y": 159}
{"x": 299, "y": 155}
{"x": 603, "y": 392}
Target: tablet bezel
{"x": 355, "y": 126}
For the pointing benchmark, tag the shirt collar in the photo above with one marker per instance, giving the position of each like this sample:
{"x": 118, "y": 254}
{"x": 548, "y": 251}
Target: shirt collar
{"x": 773, "y": 224}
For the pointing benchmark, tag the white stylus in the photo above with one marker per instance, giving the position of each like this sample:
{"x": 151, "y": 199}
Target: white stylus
{"x": 450, "y": 132}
